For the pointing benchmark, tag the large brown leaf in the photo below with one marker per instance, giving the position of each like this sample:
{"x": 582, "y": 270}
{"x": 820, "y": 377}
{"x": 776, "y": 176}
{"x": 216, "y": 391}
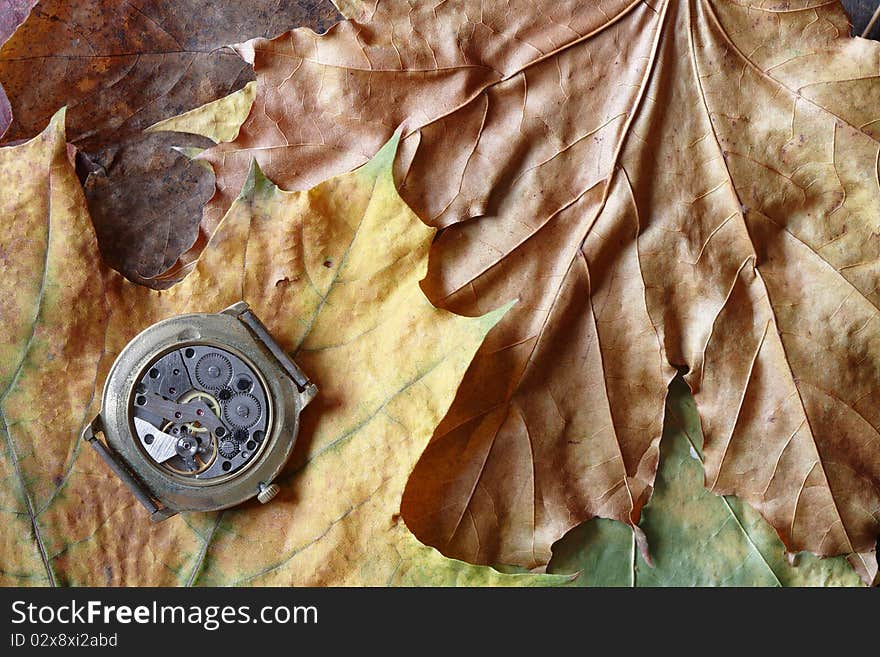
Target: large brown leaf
{"x": 334, "y": 272}
{"x": 120, "y": 67}
{"x": 682, "y": 183}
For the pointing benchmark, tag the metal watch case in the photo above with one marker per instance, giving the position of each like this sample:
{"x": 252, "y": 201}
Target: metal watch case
{"x": 200, "y": 412}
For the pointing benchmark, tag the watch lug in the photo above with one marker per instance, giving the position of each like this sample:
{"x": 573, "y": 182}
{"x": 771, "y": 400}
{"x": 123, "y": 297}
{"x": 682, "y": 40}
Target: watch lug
{"x": 89, "y": 434}
{"x": 243, "y": 312}
{"x": 236, "y": 309}
{"x": 93, "y": 428}
{"x": 308, "y": 394}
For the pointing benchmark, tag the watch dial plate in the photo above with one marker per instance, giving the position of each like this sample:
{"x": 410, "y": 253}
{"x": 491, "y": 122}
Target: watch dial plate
{"x": 200, "y": 412}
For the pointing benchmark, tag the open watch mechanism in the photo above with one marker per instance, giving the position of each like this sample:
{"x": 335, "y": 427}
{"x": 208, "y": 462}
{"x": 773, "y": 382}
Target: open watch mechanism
{"x": 200, "y": 412}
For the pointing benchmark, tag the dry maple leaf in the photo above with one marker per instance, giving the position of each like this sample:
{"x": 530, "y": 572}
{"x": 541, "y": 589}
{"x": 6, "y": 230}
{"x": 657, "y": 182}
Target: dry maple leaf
{"x": 675, "y": 183}
{"x": 334, "y": 272}
{"x": 119, "y": 67}
{"x": 122, "y": 66}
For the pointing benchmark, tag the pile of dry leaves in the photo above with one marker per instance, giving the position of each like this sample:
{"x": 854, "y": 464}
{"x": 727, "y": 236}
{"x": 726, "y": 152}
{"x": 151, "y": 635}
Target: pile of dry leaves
{"x": 670, "y": 192}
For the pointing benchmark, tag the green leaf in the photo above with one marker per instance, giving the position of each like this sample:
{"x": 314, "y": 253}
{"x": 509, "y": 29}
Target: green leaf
{"x": 696, "y": 538}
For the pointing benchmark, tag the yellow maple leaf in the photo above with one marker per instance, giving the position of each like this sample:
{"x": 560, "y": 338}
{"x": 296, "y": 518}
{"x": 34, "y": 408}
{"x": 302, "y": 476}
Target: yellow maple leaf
{"x": 334, "y": 272}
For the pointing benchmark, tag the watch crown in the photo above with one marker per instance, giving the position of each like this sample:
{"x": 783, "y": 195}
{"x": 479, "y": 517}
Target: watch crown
{"x": 267, "y": 492}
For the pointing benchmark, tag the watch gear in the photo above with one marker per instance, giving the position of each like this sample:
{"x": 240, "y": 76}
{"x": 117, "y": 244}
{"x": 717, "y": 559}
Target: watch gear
{"x": 213, "y": 370}
{"x": 228, "y": 448}
{"x": 242, "y": 410}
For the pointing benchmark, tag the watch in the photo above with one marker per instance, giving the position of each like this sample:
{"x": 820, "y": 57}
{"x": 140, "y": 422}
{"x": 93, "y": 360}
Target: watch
{"x": 200, "y": 412}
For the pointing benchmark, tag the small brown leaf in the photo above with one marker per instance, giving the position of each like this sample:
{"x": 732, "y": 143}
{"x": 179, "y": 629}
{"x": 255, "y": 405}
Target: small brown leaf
{"x": 137, "y": 235}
